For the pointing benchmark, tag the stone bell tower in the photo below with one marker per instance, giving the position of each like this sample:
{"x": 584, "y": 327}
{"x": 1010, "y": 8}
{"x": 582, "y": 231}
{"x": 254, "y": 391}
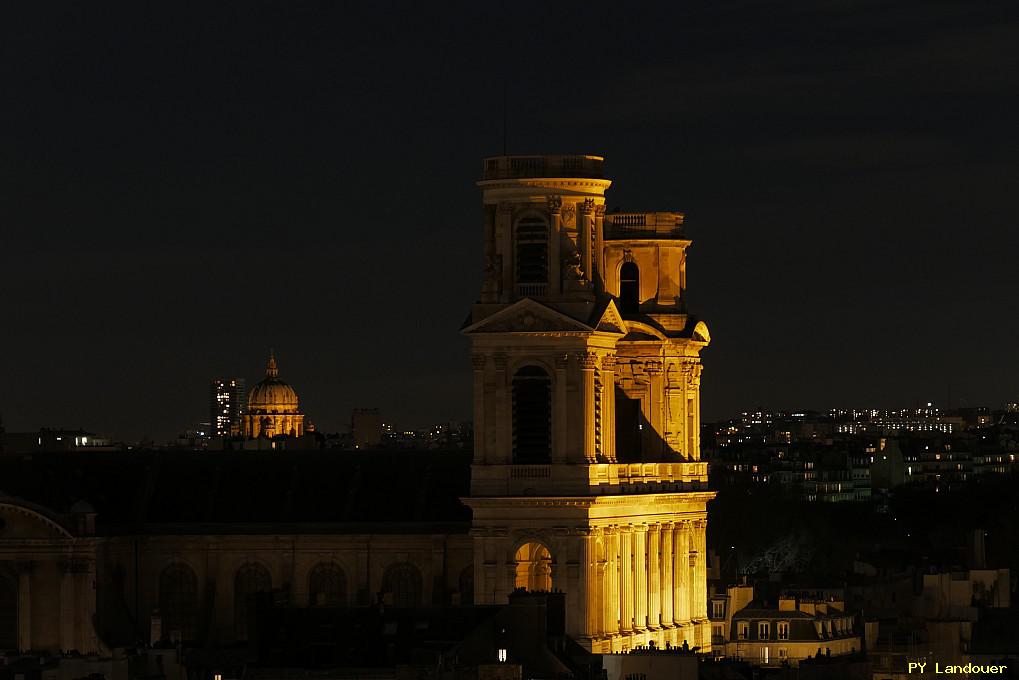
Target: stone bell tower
{"x": 587, "y": 475}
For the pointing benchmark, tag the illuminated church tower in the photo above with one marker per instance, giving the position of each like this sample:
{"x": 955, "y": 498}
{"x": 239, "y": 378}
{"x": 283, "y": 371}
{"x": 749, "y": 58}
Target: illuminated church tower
{"x": 587, "y": 475}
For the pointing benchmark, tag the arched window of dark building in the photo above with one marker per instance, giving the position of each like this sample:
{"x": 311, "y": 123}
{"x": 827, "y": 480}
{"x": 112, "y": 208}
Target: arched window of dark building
{"x": 629, "y": 288}
{"x": 178, "y": 602}
{"x": 532, "y": 416}
{"x": 327, "y": 586}
{"x": 250, "y": 580}
{"x": 403, "y": 583}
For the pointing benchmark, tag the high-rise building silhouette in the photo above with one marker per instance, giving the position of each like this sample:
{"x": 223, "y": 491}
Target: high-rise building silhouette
{"x": 227, "y": 406}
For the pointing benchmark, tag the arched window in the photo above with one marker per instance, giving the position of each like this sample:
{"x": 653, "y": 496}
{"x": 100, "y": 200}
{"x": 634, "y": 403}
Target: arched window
{"x": 534, "y": 568}
{"x": 532, "y": 416}
{"x": 178, "y": 602}
{"x": 402, "y": 582}
{"x": 532, "y": 256}
{"x": 466, "y": 585}
{"x": 8, "y": 610}
{"x": 629, "y": 288}
{"x": 250, "y": 580}
{"x": 327, "y": 586}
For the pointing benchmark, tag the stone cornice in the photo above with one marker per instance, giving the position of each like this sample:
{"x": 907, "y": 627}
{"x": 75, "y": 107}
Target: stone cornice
{"x": 546, "y": 183}
{"x": 654, "y": 499}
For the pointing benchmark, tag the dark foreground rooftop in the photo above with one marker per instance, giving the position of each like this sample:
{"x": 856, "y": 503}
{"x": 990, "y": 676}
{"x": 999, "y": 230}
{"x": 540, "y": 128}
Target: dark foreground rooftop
{"x": 247, "y": 491}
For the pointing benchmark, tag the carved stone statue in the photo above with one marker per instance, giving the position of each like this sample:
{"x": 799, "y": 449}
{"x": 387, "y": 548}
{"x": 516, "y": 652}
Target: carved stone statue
{"x": 572, "y": 268}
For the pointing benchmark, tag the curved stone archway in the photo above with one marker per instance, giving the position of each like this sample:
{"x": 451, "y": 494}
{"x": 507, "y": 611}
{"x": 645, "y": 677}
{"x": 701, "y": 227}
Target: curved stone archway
{"x": 534, "y": 567}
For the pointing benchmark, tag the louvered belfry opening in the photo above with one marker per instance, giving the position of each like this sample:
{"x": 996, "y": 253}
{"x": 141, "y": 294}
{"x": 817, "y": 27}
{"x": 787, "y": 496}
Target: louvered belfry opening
{"x": 532, "y": 416}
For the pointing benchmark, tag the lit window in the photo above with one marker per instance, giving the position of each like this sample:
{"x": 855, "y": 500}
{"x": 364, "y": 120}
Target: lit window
{"x": 783, "y": 631}
{"x": 502, "y": 656}
{"x": 763, "y": 630}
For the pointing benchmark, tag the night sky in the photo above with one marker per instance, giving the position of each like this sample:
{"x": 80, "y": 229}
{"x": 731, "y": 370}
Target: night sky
{"x": 184, "y": 185}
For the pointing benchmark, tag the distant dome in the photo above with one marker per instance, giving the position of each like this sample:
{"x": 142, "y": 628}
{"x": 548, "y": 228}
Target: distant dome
{"x": 272, "y": 395}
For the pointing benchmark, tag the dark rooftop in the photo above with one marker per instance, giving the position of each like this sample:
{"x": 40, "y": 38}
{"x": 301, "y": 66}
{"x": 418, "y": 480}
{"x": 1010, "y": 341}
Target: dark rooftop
{"x": 246, "y": 491}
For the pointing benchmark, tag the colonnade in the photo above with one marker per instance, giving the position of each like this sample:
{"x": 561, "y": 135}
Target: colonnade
{"x": 650, "y": 583}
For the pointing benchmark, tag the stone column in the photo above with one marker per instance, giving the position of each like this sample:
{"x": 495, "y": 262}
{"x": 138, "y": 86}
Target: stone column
{"x": 608, "y": 408}
{"x": 696, "y": 376}
{"x": 478, "y": 549}
{"x": 67, "y": 602}
{"x": 667, "y": 587}
{"x": 654, "y": 438}
{"x": 700, "y": 571}
{"x": 503, "y": 415}
{"x": 24, "y": 570}
{"x": 692, "y": 596}
{"x": 505, "y": 565}
{"x": 626, "y": 578}
{"x": 683, "y": 403}
{"x": 610, "y": 617}
{"x": 601, "y": 571}
{"x": 598, "y": 258}
{"x": 560, "y": 418}
{"x": 584, "y": 226}
{"x": 587, "y": 591}
{"x": 504, "y": 239}
{"x": 640, "y": 589}
{"x": 681, "y": 574}
{"x": 654, "y": 574}
{"x": 478, "y": 361}
{"x": 587, "y": 364}
{"x": 555, "y": 282}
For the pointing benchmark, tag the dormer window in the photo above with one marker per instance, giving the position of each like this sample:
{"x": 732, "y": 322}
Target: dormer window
{"x": 532, "y": 256}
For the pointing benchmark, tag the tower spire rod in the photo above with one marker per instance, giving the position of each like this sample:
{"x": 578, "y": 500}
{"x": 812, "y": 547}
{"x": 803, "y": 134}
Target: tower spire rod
{"x": 270, "y": 368}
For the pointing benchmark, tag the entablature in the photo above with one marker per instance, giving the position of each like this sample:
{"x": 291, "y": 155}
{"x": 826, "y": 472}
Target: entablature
{"x": 591, "y": 480}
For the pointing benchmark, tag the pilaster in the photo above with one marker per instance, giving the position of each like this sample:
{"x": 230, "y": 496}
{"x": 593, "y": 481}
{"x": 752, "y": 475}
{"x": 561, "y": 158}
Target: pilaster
{"x": 503, "y": 413}
{"x": 25, "y": 569}
{"x": 653, "y": 440}
{"x": 588, "y": 361}
{"x": 560, "y": 418}
{"x": 608, "y": 419}
{"x": 479, "y": 362}
{"x": 67, "y": 603}
{"x": 504, "y": 237}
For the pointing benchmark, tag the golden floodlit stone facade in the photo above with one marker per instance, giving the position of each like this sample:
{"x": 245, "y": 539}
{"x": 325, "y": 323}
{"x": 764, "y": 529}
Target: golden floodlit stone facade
{"x": 272, "y": 407}
{"x": 587, "y": 475}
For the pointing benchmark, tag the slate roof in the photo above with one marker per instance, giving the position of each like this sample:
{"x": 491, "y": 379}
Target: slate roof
{"x": 250, "y": 491}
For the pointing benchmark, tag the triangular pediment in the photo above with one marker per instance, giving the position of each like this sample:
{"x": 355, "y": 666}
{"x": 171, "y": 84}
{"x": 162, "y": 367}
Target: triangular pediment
{"x": 527, "y": 316}
{"x": 611, "y": 321}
